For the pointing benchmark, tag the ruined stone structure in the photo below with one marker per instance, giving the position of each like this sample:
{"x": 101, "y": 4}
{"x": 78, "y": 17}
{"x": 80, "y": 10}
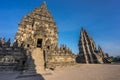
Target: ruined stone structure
{"x": 38, "y": 34}
{"x": 88, "y": 52}
{"x": 35, "y": 46}
{"x": 11, "y": 56}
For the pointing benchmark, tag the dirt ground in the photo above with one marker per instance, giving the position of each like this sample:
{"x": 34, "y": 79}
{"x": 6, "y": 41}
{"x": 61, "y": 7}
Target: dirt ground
{"x": 86, "y": 72}
{"x": 76, "y": 72}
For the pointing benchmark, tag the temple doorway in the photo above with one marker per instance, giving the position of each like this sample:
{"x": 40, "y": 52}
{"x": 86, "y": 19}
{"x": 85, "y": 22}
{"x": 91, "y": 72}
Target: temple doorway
{"x": 39, "y": 43}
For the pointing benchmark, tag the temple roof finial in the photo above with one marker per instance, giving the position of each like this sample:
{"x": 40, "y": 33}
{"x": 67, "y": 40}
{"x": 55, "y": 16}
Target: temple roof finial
{"x": 99, "y": 48}
{"x": 43, "y": 6}
{"x": 82, "y": 28}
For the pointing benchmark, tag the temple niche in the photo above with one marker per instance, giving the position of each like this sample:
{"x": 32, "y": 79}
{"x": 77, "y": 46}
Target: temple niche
{"x": 88, "y": 52}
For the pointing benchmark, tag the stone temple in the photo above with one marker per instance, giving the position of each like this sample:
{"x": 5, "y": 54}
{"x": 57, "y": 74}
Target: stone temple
{"x": 38, "y": 35}
{"x": 35, "y": 46}
{"x": 88, "y": 52}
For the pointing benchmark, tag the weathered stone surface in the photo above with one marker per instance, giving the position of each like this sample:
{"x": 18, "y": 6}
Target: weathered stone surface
{"x": 35, "y": 46}
{"x": 88, "y": 52}
{"x": 38, "y": 34}
{"x": 38, "y": 25}
{"x": 38, "y": 58}
{"x": 11, "y": 58}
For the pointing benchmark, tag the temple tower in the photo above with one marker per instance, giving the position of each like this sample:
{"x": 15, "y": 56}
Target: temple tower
{"x": 87, "y": 50}
{"x": 86, "y": 46}
{"x": 37, "y": 29}
{"x": 38, "y": 34}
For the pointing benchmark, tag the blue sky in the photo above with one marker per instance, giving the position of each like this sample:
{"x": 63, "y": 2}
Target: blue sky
{"x": 101, "y": 19}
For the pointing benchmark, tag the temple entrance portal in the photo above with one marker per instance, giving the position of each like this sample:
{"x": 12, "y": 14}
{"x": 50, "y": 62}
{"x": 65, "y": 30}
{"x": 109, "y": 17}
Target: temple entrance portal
{"x": 39, "y": 43}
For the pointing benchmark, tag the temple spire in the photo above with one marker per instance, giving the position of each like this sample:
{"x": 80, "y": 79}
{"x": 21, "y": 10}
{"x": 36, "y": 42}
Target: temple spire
{"x": 44, "y": 6}
{"x": 82, "y": 31}
{"x": 99, "y": 48}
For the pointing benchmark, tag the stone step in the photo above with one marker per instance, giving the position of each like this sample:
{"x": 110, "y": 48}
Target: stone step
{"x": 37, "y": 56}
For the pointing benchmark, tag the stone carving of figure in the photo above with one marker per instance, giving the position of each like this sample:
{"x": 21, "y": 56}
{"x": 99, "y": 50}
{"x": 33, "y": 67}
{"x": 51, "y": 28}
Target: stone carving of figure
{"x": 48, "y": 42}
{"x": 6, "y": 60}
{"x": 3, "y": 60}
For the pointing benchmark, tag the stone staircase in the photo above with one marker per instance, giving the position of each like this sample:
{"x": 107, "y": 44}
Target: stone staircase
{"x": 37, "y": 56}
